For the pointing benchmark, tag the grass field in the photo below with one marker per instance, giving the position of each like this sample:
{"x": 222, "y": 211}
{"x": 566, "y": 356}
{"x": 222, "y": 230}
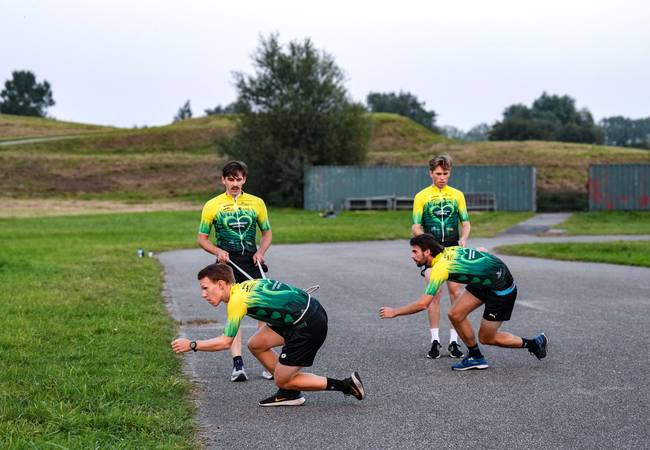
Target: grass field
{"x": 84, "y": 356}
{"x": 631, "y": 253}
{"x": 606, "y": 223}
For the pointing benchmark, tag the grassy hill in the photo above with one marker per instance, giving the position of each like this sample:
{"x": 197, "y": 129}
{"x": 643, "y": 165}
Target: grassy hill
{"x": 21, "y": 127}
{"x": 179, "y": 161}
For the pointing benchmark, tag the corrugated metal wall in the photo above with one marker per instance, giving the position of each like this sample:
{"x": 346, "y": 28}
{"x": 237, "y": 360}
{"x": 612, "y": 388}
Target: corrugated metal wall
{"x": 619, "y": 187}
{"x": 329, "y": 186}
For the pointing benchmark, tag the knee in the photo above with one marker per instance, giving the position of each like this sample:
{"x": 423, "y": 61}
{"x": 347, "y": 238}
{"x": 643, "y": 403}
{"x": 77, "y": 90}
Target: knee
{"x": 254, "y": 346}
{"x": 454, "y": 316}
{"x": 284, "y": 383}
{"x": 485, "y": 338}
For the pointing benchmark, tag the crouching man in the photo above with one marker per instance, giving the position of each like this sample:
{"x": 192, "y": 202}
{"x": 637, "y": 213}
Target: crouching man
{"x": 489, "y": 283}
{"x": 294, "y": 320}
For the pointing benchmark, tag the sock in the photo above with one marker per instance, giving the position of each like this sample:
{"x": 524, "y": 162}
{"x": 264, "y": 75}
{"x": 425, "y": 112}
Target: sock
{"x": 527, "y": 343}
{"x": 336, "y": 385}
{"x": 474, "y": 352}
{"x": 434, "y": 335}
{"x": 238, "y": 362}
{"x": 453, "y": 336}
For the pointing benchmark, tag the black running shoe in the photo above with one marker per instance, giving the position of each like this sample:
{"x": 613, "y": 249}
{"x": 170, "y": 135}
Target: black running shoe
{"x": 434, "y": 353}
{"x": 284, "y": 398}
{"x": 454, "y": 350}
{"x": 355, "y": 386}
{"x": 539, "y": 350}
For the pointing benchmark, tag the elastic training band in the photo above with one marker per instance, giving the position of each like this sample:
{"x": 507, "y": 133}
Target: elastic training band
{"x": 305, "y": 311}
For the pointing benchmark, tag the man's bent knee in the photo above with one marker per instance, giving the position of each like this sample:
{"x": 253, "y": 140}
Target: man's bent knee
{"x": 486, "y": 337}
{"x": 455, "y": 316}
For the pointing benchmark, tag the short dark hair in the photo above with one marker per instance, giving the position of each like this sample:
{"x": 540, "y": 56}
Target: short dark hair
{"x": 232, "y": 168}
{"x": 427, "y": 242}
{"x": 443, "y": 161}
{"x": 216, "y": 272}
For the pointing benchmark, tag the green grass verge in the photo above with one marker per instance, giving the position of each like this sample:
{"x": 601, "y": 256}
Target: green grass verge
{"x": 610, "y": 222}
{"x": 85, "y": 360}
{"x": 630, "y": 253}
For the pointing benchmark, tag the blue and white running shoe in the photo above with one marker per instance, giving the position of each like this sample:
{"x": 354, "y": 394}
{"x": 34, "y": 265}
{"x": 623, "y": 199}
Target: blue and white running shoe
{"x": 470, "y": 363}
{"x": 541, "y": 342}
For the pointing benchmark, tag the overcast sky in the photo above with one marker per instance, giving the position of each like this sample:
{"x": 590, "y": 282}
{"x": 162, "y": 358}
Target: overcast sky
{"x": 131, "y": 62}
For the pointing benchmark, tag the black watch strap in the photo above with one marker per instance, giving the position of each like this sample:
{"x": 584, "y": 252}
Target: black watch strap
{"x": 193, "y": 346}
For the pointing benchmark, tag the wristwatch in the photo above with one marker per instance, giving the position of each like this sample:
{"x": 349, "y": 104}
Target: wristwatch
{"x": 193, "y": 346}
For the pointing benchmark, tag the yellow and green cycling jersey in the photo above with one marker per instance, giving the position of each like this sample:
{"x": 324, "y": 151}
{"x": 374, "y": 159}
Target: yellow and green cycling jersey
{"x": 440, "y": 212}
{"x": 270, "y": 301}
{"x": 469, "y": 266}
{"x": 235, "y": 221}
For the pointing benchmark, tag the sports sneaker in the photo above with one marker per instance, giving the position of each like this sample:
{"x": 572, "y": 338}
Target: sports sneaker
{"x": 267, "y": 375}
{"x": 238, "y": 374}
{"x": 454, "y": 350}
{"x": 471, "y": 362}
{"x": 284, "y": 398}
{"x": 541, "y": 341}
{"x": 434, "y": 353}
{"x": 355, "y": 386}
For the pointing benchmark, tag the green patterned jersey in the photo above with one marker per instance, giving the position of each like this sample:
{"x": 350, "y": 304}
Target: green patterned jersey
{"x": 468, "y": 266}
{"x": 235, "y": 221}
{"x": 440, "y": 212}
{"x": 270, "y": 301}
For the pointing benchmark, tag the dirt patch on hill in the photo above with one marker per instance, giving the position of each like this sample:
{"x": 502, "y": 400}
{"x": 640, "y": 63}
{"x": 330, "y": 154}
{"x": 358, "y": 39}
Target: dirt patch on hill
{"x": 20, "y": 208}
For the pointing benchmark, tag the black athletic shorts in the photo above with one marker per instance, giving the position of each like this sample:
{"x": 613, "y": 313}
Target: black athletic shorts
{"x": 303, "y": 340}
{"x": 498, "y": 308}
{"x": 246, "y": 263}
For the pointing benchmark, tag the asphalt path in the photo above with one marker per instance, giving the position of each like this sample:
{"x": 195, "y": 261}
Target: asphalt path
{"x": 590, "y": 392}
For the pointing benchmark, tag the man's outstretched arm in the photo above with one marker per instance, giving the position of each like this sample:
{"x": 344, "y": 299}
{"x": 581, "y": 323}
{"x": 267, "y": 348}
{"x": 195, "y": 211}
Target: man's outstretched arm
{"x": 421, "y": 304}
{"x": 209, "y": 345}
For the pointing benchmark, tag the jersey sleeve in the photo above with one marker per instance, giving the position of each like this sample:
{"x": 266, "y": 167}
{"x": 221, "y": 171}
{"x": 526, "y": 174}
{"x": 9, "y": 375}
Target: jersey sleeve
{"x": 207, "y": 217}
{"x": 439, "y": 274}
{"x": 463, "y": 215}
{"x": 263, "y": 217}
{"x": 418, "y": 209}
{"x": 237, "y": 309}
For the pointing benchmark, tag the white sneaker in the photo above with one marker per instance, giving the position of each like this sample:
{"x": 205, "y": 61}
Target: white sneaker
{"x": 267, "y": 375}
{"x": 238, "y": 375}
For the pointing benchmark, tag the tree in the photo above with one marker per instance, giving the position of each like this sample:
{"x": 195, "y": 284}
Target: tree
{"x": 292, "y": 113}
{"x": 184, "y": 112}
{"x": 551, "y": 118}
{"x": 23, "y": 96}
{"x": 625, "y": 132}
{"x": 220, "y": 110}
{"x": 480, "y": 132}
{"x": 404, "y": 104}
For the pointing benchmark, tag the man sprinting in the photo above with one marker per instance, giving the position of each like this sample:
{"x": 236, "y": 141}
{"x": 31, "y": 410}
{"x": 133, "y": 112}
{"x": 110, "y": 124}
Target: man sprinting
{"x": 489, "y": 283}
{"x": 236, "y": 215}
{"x": 294, "y": 320}
{"x": 441, "y": 211}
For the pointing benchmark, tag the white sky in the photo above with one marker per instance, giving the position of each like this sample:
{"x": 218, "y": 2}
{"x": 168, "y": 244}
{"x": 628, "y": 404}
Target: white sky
{"x": 131, "y": 63}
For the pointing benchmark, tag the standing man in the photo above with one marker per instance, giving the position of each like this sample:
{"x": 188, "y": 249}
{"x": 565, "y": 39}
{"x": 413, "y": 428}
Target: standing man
{"x": 293, "y": 319}
{"x": 440, "y": 210}
{"x": 236, "y": 216}
{"x": 489, "y": 283}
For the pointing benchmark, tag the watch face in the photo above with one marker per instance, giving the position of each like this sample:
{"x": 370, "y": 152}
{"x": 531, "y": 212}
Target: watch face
{"x": 193, "y": 345}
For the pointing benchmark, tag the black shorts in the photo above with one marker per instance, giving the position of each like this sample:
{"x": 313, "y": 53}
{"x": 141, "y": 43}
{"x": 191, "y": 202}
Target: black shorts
{"x": 303, "y": 340}
{"x": 245, "y": 262}
{"x": 498, "y": 308}
{"x": 449, "y": 243}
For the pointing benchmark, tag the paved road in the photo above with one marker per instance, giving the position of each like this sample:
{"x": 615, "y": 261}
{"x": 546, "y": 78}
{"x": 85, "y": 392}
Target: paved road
{"x": 591, "y": 391}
